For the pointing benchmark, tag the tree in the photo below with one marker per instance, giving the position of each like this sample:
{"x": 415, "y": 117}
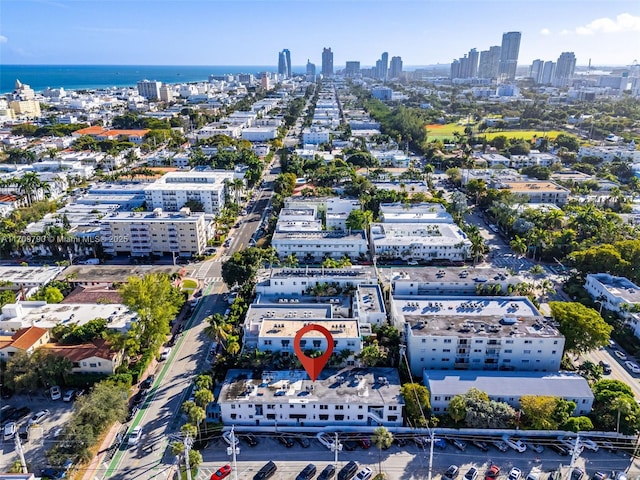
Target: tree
{"x": 53, "y": 295}
{"x": 242, "y": 267}
{"x": 457, "y": 408}
{"x": 578, "y": 424}
{"x": 156, "y": 301}
{"x": 381, "y": 438}
{"x": 358, "y": 219}
{"x": 372, "y": 355}
{"x": 7, "y": 296}
{"x": 569, "y": 142}
{"x": 416, "y": 403}
{"x": 590, "y": 371}
{"x": 538, "y": 411}
{"x": 584, "y": 329}
{"x": 203, "y": 397}
{"x": 194, "y": 205}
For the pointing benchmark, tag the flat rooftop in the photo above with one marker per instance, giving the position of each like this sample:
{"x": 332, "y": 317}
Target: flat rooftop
{"x": 449, "y": 275}
{"x": 355, "y": 272}
{"x": 534, "y": 187}
{"x": 436, "y": 233}
{"x": 368, "y": 386}
{"x": 112, "y": 273}
{"x": 289, "y": 327}
{"x": 171, "y": 186}
{"x": 48, "y": 315}
{"x": 507, "y": 384}
{"x": 619, "y": 286}
{"x": 472, "y": 316}
{"x": 371, "y": 298}
{"x": 321, "y": 235}
{"x": 150, "y": 217}
{"x": 32, "y": 275}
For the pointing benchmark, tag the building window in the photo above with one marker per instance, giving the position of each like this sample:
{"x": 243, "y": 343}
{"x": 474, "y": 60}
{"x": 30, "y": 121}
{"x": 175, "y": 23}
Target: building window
{"x": 339, "y": 417}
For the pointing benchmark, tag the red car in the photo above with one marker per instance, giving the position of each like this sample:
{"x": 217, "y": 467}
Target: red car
{"x": 222, "y": 472}
{"x": 492, "y": 473}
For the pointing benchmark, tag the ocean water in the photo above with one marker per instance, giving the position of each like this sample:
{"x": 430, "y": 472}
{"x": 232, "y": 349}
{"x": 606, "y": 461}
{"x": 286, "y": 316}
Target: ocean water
{"x": 76, "y": 77}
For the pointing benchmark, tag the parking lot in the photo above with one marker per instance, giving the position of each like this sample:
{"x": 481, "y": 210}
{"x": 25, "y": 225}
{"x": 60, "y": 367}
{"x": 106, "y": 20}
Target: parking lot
{"x": 405, "y": 462}
{"x": 40, "y": 439}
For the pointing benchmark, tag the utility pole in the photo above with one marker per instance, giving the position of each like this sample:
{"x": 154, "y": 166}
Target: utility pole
{"x": 233, "y": 451}
{"x": 188, "y": 442}
{"x": 336, "y": 447}
{"x": 23, "y": 463}
{"x": 433, "y": 439}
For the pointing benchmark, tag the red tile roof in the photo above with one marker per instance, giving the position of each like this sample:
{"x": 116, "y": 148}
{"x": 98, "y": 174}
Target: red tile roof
{"x": 75, "y": 353}
{"x": 26, "y": 338}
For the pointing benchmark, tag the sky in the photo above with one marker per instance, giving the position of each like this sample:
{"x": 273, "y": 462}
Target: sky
{"x": 252, "y": 32}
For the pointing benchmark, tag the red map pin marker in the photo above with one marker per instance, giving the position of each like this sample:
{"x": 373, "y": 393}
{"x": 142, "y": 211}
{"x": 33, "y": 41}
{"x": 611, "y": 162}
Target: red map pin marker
{"x": 313, "y": 366}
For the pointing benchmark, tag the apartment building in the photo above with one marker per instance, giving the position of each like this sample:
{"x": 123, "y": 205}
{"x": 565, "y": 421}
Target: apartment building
{"x": 539, "y": 191}
{"x": 173, "y": 190}
{"x": 476, "y": 333}
{"x": 617, "y": 294}
{"x": 415, "y": 213}
{"x": 157, "y": 233}
{"x": 508, "y": 387}
{"x": 317, "y": 245}
{"x": 425, "y": 242}
{"x": 280, "y": 399}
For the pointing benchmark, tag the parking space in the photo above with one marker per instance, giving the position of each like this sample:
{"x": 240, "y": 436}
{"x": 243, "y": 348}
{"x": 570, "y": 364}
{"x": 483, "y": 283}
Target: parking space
{"x": 42, "y": 437}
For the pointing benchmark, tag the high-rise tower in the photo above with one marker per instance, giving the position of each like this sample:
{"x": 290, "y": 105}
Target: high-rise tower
{"x": 564, "y": 69}
{"x": 284, "y": 63}
{"x": 395, "y": 69}
{"x": 327, "y": 62}
{"x": 509, "y": 56}
{"x": 489, "y": 62}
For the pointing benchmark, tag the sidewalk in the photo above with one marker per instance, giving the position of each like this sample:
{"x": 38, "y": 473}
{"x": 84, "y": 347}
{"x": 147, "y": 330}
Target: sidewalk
{"x": 94, "y": 470}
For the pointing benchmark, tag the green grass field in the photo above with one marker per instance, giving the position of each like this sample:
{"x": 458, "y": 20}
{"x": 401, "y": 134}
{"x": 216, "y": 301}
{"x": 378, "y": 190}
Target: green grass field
{"x": 442, "y": 132}
{"x": 189, "y": 284}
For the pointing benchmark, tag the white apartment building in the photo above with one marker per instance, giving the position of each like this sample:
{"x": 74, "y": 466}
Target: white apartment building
{"x": 508, "y": 387}
{"x": 613, "y": 292}
{"x": 317, "y": 245}
{"x": 174, "y": 189}
{"x": 609, "y": 153}
{"x": 449, "y": 280}
{"x": 296, "y": 281}
{"x": 476, "y": 333}
{"x": 352, "y": 396}
{"x": 315, "y": 135}
{"x": 158, "y": 233}
{"x": 335, "y": 209}
{"x": 414, "y": 213}
{"x": 426, "y": 242}
{"x": 392, "y": 158}
{"x": 259, "y": 134}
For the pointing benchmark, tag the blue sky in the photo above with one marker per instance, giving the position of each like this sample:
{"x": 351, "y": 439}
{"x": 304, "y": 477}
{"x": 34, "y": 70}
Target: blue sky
{"x": 251, "y": 32}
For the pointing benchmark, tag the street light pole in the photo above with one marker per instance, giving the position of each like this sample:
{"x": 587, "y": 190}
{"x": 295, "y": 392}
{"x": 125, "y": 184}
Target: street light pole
{"x": 233, "y": 451}
{"x": 335, "y": 448}
{"x": 188, "y": 442}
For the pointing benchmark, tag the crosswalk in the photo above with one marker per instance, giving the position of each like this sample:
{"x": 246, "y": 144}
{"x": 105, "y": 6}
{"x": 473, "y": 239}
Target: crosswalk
{"x": 513, "y": 262}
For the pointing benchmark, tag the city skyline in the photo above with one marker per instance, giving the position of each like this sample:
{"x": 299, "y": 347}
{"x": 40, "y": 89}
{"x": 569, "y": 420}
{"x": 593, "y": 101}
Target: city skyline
{"x": 85, "y": 33}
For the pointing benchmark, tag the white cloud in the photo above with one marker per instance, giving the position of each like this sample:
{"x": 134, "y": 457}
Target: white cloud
{"x": 545, "y": 31}
{"x": 625, "y": 22}
{"x": 3, "y": 39}
{"x": 565, "y": 32}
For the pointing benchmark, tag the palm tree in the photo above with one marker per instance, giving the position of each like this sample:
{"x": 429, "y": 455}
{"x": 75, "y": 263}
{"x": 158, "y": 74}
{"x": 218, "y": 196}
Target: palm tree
{"x": 519, "y": 245}
{"x": 218, "y": 328}
{"x": 622, "y": 405}
{"x": 382, "y": 438}
{"x": 28, "y": 184}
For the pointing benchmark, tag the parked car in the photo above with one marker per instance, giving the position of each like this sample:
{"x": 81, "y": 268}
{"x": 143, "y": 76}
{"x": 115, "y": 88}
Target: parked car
{"x": 632, "y": 366}
{"x": 165, "y": 354}
{"x": 517, "y": 445}
{"x": 348, "y": 471}
{"x": 589, "y": 444}
{"x": 481, "y": 445}
{"x": 7, "y": 413}
{"x": 55, "y": 393}
{"x": 226, "y": 436}
{"x": 20, "y": 413}
{"x": 328, "y": 473}
{"x": 250, "y": 438}
{"x": 38, "y": 417}
{"x": 536, "y": 447}
{"x": 500, "y": 445}
{"x": 599, "y": 476}
{"x": 364, "y": 474}
{"x": 268, "y": 470}
{"x": 620, "y": 355}
{"x": 471, "y": 474}
{"x": 459, "y": 444}
{"x": 222, "y": 472}
{"x": 452, "y": 472}
{"x": 69, "y": 395}
{"x": 10, "y": 430}
{"x": 492, "y": 472}
{"x": 576, "y": 473}
{"x": 559, "y": 449}
{"x": 135, "y": 436}
{"x": 132, "y": 412}
{"x": 307, "y": 473}
{"x": 365, "y": 443}
{"x": 303, "y": 441}
{"x": 286, "y": 441}
{"x": 349, "y": 445}
{"x": 515, "y": 474}
{"x": 139, "y": 397}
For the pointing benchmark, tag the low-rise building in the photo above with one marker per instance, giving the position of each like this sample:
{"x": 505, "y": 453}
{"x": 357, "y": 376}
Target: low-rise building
{"x": 26, "y": 340}
{"x": 476, "y": 333}
{"x": 352, "y": 396}
{"x": 259, "y": 134}
{"x": 508, "y": 387}
{"x": 94, "y": 357}
{"x": 317, "y": 245}
{"x": 27, "y": 277}
{"x": 415, "y": 213}
{"x": 316, "y": 135}
{"x": 157, "y": 233}
{"x": 108, "y": 275}
{"x": 539, "y": 191}
{"x": 617, "y": 294}
{"x": 425, "y": 242}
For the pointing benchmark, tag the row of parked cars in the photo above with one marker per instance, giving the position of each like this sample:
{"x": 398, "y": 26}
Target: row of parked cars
{"x": 515, "y": 473}
{"x": 348, "y": 472}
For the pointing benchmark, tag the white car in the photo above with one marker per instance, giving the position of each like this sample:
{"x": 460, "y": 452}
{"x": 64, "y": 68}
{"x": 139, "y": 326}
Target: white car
{"x": 135, "y": 435}
{"x": 10, "y": 430}
{"x": 227, "y": 438}
{"x": 55, "y": 393}
{"x": 589, "y": 444}
{"x": 632, "y": 366}
{"x": 620, "y": 355}
{"x": 515, "y": 474}
{"x": 517, "y": 445}
{"x": 69, "y": 395}
{"x": 38, "y": 417}
{"x": 570, "y": 444}
{"x": 165, "y": 354}
{"x": 365, "y": 474}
